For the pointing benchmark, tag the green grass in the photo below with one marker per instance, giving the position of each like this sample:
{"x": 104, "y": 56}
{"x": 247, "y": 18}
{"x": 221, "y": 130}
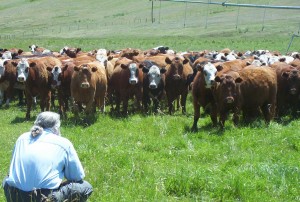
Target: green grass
{"x": 157, "y": 158}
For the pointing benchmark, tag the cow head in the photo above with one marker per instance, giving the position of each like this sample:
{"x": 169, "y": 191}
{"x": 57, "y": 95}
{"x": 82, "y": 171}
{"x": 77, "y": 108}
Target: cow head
{"x": 209, "y": 72}
{"x": 22, "y": 70}
{"x": 227, "y": 88}
{"x": 292, "y": 78}
{"x": 102, "y": 56}
{"x": 176, "y": 66}
{"x": 85, "y": 73}
{"x": 56, "y": 73}
{"x": 7, "y": 55}
{"x": 71, "y": 52}
{"x": 2, "y": 68}
{"x": 154, "y": 74}
{"x": 33, "y": 48}
{"x": 134, "y": 72}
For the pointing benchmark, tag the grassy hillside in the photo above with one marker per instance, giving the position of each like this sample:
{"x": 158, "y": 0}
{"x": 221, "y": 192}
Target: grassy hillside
{"x": 65, "y": 19}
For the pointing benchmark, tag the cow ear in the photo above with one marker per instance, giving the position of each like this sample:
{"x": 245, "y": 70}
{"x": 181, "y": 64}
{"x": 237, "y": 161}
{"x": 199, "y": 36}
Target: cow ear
{"x": 14, "y": 55}
{"x": 200, "y": 67}
{"x": 218, "y": 79}
{"x": 284, "y": 75}
{"x": 32, "y": 64}
{"x": 20, "y": 51}
{"x": 78, "y": 49}
{"x": 29, "y": 46}
{"x": 145, "y": 70}
{"x": 14, "y": 63}
{"x": 185, "y": 61}
{"x": 123, "y": 66}
{"x": 219, "y": 67}
{"x": 168, "y": 60}
{"x": 94, "y": 69}
{"x": 108, "y": 53}
{"x": 76, "y": 68}
{"x": 49, "y": 69}
{"x": 248, "y": 63}
{"x": 238, "y": 80}
{"x": 282, "y": 59}
{"x": 109, "y": 58}
{"x": 163, "y": 70}
{"x": 36, "y": 46}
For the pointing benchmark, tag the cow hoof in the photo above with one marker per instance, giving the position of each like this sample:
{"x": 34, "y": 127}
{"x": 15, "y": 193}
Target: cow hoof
{"x": 194, "y": 129}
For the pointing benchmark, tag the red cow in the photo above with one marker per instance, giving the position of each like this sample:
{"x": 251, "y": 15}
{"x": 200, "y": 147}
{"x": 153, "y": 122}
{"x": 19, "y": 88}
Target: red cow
{"x": 202, "y": 92}
{"x": 8, "y": 74}
{"x": 126, "y": 82}
{"x": 178, "y": 72}
{"x": 254, "y": 89}
{"x": 288, "y": 78}
{"x": 36, "y": 77}
{"x": 88, "y": 87}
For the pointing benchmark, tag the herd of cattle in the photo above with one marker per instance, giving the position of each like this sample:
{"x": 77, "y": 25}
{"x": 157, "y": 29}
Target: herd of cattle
{"x": 247, "y": 83}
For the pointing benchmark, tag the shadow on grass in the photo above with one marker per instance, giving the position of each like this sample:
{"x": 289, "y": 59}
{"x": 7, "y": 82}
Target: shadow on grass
{"x": 80, "y": 120}
{"x": 18, "y": 119}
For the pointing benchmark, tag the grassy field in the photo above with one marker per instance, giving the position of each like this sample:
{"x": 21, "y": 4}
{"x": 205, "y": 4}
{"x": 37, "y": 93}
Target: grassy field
{"x": 157, "y": 157}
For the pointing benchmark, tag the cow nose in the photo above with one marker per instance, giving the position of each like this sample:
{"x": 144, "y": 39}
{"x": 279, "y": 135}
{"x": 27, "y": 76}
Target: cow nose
{"x": 152, "y": 86}
{"x": 293, "y": 91}
{"x": 229, "y": 100}
{"x": 85, "y": 85}
{"x": 21, "y": 79}
{"x": 133, "y": 81}
{"x": 176, "y": 76}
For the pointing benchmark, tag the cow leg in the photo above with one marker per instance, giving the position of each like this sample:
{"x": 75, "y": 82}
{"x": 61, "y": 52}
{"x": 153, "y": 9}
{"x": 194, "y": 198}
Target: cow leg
{"x": 29, "y": 105}
{"x": 196, "y": 105}
{"x": 1, "y": 97}
{"x": 183, "y": 102}
{"x": 214, "y": 114}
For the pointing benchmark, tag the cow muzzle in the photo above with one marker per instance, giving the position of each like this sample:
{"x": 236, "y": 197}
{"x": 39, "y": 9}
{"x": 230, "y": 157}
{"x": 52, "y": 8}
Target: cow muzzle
{"x": 21, "y": 79}
{"x": 152, "y": 86}
{"x": 229, "y": 100}
{"x": 85, "y": 85}
{"x": 133, "y": 81}
{"x": 293, "y": 91}
{"x": 176, "y": 76}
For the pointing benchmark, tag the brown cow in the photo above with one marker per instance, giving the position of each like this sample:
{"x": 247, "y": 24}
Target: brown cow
{"x": 288, "y": 78}
{"x": 225, "y": 92}
{"x": 153, "y": 84}
{"x": 61, "y": 80}
{"x": 178, "y": 72}
{"x": 8, "y": 72}
{"x": 88, "y": 87}
{"x": 254, "y": 89}
{"x": 202, "y": 92}
{"x": 126, "y": 82}
{"x": 71, "y": 52}
{"x": 36, "y": 77}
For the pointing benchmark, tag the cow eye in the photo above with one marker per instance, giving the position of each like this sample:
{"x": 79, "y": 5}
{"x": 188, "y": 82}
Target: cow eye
{"x": 26, "y": 70}
{"x": 205, "y": 74}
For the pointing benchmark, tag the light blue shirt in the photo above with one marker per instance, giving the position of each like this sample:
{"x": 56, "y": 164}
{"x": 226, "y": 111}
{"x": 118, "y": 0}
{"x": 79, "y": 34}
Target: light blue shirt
{"x": 43, "y": 162}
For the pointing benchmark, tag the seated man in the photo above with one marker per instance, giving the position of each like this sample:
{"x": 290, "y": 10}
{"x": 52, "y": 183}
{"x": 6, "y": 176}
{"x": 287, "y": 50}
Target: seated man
{"x": 45, "y": 166}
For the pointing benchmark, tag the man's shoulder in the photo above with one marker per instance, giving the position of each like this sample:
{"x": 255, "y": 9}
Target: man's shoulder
{"x": 59, "y": 140}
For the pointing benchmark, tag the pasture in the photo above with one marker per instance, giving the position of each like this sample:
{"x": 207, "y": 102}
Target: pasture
{"x": 157, "y": 157}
